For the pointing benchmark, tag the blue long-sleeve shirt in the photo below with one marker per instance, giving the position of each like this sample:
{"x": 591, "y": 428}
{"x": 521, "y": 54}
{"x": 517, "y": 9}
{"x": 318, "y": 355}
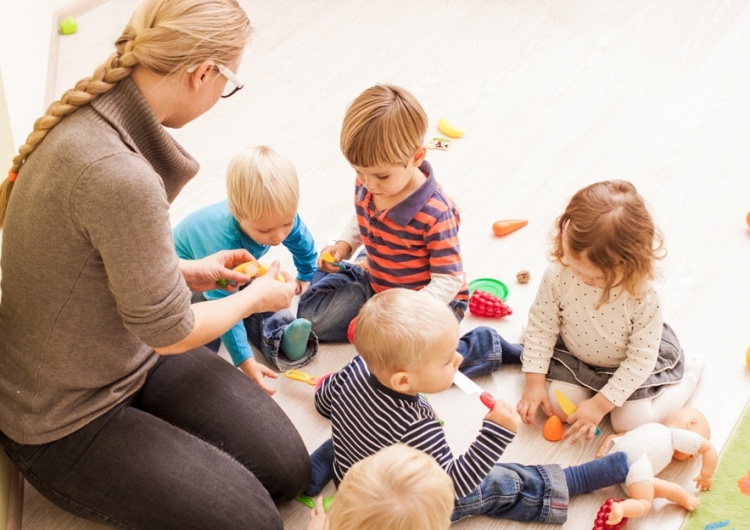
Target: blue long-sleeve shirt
{"x": 213, "y": 228}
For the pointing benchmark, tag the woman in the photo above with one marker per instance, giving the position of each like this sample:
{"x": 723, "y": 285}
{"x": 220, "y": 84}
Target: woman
{"x": 111, "y": 407}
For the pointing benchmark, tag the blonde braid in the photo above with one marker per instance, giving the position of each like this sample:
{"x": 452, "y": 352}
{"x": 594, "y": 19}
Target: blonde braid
{"x": 104, "y": 78}
{"x": 163, "y": 36}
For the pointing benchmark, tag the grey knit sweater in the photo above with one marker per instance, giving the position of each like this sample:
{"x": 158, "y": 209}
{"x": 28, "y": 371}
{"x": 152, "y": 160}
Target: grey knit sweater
{"x": 90, "y": 279}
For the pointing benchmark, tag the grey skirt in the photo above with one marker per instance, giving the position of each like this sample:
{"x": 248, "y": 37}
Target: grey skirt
{"x": 669, "y": 368}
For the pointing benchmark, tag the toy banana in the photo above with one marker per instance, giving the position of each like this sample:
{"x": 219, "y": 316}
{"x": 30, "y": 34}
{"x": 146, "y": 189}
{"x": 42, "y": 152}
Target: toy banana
{"x": 568, "y": 406}
{"x": 251, "y": 268}
{"x": 449, "y": 129}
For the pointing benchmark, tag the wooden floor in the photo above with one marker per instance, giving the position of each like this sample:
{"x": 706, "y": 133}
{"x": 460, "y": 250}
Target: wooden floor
{"x": 553, "y": 95}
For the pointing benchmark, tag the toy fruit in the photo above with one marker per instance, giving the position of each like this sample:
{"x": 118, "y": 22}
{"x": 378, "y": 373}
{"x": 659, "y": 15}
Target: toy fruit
{"x": 553, "y": 429}
{"x": 484, "y": 304}
{"x": 747, "y": 357}
{"x": 506, "y": 226}
{"x": 523, "y": 276}
{"x": 747, "y": 219}
{"x": 449, "y": 129}
{"x": 600, "y": 523}
{"x": 68, "y": 26}
{"x": 252, "y": 269}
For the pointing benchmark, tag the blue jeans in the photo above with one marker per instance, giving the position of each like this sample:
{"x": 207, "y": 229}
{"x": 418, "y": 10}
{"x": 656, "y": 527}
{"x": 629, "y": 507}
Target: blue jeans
{"x": 520, "y": 493}
{"x": 539, "y": 493}
{"x": 264, "y": 331}
{"x": 334, "y": 299}
{"x": 199, "y": 446}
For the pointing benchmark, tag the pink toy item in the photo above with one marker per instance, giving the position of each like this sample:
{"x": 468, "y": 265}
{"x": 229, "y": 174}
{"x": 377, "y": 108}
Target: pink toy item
{"x": 600, "y": 523}
{"x": 484, "y": 304}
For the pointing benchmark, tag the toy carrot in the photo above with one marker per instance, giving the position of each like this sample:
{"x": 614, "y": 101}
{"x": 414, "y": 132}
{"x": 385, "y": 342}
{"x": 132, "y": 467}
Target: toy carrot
{"x": 506, "y": 226}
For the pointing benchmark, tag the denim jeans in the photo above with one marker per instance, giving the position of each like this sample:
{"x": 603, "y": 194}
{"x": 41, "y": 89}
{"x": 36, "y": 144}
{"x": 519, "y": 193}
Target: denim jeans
{"x": 334, "y": 299}
{"x": 199, "y": 446}
{"x": 264, "y": 331}
{"x": 519, "y": 493}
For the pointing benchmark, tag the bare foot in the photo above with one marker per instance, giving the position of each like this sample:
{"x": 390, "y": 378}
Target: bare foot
{"x": 615, "y": 513}
{"x": 691, "y": 503}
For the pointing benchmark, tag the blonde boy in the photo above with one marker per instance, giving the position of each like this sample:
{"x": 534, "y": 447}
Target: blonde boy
{"x": 399, "y": 488}
{"x": 260, "y": 212}
{"x": 407, "y": 345}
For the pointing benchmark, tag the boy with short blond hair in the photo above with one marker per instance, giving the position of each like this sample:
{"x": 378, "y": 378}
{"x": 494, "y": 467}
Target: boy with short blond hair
{"x": 376, "y": 401}
{"x": 407, "y": 224}
{"x": 260, "y": 212}
{"x": 399, "y": 488}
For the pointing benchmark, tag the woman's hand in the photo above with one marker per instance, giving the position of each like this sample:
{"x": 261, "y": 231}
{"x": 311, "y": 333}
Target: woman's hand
{"x": 203, "y": 274}
{"x": 584, "y": 421}
{"x": 534, "y": 395}
{"x": 256, "y": 372}
{"x": 340, "y": 251}
{"x": 269, "y": 294}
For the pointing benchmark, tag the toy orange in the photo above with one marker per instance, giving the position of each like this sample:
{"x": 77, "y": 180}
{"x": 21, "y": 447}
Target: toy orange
{"x": 747, "y": 219}
{"x": 506, "y": 226}
{"x": 553, "y": 429}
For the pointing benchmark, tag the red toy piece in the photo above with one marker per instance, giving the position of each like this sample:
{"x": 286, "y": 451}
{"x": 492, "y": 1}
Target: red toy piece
{"x": 600, "y": 523}
{"x": 484, "y": 304}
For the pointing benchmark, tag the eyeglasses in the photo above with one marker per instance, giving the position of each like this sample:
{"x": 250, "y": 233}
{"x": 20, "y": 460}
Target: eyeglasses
{"x": 226, "y": 72}
{"x": 231, "y": 76}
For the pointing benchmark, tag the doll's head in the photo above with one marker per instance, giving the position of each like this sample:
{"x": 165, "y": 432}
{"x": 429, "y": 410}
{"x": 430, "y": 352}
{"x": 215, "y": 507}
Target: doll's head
{"x": 689, "y": 419}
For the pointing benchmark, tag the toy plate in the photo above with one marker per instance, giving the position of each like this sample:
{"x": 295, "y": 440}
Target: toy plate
{"x": 489, "y": 285}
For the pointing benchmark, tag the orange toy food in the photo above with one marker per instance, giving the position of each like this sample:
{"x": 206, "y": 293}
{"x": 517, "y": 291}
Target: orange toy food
{"x": 553, "y": 429}
{"x": 506, "y": 226}
{"x": 747, "y": 219}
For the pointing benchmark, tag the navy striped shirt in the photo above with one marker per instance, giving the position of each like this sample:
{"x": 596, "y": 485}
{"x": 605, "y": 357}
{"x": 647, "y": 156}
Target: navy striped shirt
{"x": 366, "y": 416}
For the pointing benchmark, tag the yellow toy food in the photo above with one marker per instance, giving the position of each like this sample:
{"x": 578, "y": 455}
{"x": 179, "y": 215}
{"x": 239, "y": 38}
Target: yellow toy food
{"x": 252, "y": 269}
{"x": 449, "y": 129}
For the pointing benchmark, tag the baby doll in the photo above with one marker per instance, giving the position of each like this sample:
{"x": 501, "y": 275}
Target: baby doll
{"x": 650, "y": 448}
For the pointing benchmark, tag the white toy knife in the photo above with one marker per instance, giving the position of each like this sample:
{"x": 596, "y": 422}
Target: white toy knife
{"x": 470, "y": 387}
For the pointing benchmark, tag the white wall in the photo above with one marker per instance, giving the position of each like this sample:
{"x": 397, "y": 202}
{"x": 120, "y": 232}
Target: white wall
{"x": 24, "y": 59}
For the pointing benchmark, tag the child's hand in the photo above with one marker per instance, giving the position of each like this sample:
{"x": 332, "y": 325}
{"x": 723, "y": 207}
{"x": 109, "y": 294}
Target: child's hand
{"x": 340, "y": 251}
{"x": 585, "y": 419}
{"x": 317, "y": 516}
{"x": 301, "y": 287}
{"x": 534, "y": 395}
{"x": 504, "y": 415}
{"x": 256, "y": 372}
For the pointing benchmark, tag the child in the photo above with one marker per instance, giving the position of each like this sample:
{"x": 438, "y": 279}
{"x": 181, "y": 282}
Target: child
{"x": 408, "y": 225}
{"x": 595, "y": 330}
{"x": 260, "y": 212}
{"x": 650, "y": 448}
{"x": 399, "y": 488}
{"x": 408, "y": 341}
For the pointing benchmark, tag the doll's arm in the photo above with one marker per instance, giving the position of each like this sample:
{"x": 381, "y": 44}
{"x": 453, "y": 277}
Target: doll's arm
{"x": 604, "y": 446}
{"x": 710, "y": 457}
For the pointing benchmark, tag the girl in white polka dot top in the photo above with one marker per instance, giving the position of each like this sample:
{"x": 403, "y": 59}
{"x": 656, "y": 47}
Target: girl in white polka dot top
{"x": 595, "y": 329}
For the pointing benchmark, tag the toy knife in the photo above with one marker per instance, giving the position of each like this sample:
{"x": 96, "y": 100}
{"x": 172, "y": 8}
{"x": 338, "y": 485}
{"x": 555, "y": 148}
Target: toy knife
{"x": 470, "y": 387}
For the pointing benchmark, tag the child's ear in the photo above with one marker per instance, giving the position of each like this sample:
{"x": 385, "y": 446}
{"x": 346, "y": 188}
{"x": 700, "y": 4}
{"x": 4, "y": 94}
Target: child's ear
{"x": 400, "y": 382}
{"x": 419, "y": 156}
